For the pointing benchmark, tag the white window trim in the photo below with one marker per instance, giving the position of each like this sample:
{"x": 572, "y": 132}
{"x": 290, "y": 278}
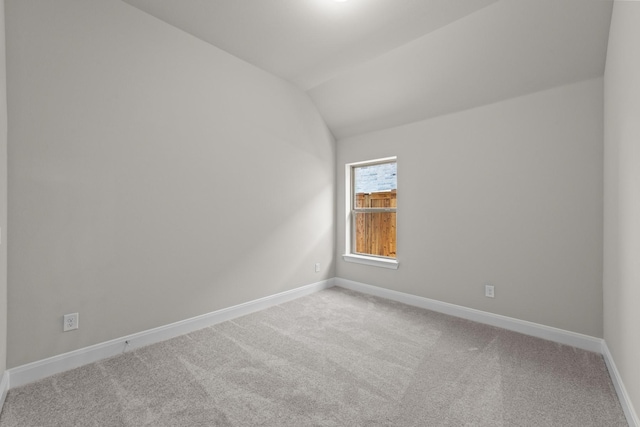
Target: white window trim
{"x": 349, "y": 256}
{"x": 370, "y": 260}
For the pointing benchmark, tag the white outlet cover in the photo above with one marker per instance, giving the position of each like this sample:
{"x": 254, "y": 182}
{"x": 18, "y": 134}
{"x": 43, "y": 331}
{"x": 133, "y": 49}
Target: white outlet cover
{"x": 489, "y": 291}
{"x": 70, "y": 322}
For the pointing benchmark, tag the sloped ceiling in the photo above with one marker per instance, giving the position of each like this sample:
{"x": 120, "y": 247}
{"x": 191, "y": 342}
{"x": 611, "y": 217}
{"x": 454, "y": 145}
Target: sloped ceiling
{"x": 373, "y": 64}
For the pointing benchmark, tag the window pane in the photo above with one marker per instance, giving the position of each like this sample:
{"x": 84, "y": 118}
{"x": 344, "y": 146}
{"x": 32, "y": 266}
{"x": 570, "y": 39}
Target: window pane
{"x": 375, "y": 233}
{"x": 374, "y": 179}
{"x": 375, "y": 186}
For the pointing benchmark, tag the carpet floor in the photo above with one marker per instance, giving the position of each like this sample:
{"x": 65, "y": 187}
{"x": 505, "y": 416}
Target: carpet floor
{"x": 334, "y": 358}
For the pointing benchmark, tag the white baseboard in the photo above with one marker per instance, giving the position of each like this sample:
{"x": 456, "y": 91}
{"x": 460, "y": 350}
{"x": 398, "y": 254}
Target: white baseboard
{"x": 4, "y": 388}
{"x": 625, "y": 401}
{"x": 585, "y": 342}
{"x": 561, "y": 336}
{"x": 25, "y": 374}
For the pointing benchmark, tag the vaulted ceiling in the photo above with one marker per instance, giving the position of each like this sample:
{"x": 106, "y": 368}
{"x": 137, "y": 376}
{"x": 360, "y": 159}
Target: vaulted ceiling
{"x": 373, "y": 64}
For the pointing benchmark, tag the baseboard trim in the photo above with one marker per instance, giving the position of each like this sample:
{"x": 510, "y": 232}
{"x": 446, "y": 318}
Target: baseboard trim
{"x": 585, "y": 342}
{"x": 21, "y": 375}
{"x": 625, "y": 401}
{"x": 34, "y": 371}
{"x": 561, "y": 336}
{"x": 4, "y": 388}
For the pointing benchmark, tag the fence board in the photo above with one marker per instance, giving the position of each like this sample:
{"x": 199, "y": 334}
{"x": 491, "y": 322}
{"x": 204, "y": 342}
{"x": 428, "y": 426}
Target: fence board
{"x": 375, "y": 232}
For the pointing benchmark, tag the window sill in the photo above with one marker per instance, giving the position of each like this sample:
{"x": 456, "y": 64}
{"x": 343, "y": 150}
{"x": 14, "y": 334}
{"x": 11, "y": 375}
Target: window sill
{"x": 369, "y": 260}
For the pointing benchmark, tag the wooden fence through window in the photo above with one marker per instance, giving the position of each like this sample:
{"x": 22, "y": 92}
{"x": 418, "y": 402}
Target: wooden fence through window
{"x": 375, "y": 232}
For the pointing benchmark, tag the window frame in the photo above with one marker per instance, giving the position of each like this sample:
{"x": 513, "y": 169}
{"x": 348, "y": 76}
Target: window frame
{"x": 350, "y": 255}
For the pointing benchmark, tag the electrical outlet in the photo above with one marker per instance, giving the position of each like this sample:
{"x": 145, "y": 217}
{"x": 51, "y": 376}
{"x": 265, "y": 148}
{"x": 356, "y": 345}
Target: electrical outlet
{"x": 70, "y": 322}
{"x": 489, "y": 291}
{"x": 317, "y": 267}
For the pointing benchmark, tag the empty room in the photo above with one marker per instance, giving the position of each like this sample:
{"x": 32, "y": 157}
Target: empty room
{"x": 319, "y": 213}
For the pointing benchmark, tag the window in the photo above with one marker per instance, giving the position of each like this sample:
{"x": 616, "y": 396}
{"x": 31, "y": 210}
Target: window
{"x": 372, "y": 190}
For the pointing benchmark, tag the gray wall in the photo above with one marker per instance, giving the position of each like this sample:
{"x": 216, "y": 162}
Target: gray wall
{"x": 3, "y": 195}
{"x": 508, "y": 194}
{"x": 622, "y": 196}
{"x": 152, "y": 177}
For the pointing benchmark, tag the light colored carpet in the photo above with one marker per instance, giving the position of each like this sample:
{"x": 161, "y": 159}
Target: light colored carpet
{"x": 334, "y": 358}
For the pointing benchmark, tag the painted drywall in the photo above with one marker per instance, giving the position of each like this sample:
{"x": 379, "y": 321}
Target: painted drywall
{"x": 508, "y": 194}
{"x": 621, "y": 278}
{"x": 152, "y": 177}
{"x": 3, "y": 194}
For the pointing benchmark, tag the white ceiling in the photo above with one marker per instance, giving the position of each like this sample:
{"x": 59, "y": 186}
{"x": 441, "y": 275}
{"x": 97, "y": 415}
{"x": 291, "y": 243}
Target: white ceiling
{"x": 373, "y": 64}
